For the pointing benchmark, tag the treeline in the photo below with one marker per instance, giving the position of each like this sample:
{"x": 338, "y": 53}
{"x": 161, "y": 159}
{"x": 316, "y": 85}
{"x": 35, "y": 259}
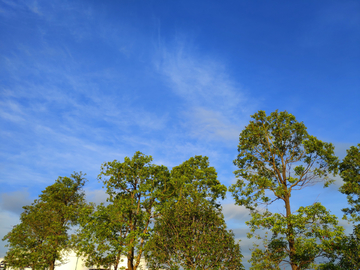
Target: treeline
{"x": 173, "y": 218}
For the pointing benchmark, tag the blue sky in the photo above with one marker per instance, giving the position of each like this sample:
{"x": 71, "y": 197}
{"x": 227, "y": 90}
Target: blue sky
{"x": 86, "y": 82}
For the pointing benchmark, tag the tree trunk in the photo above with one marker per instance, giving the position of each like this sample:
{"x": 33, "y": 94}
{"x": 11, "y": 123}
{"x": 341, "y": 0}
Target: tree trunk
{"x": 52, "y": 265}
{"x": 118, "y": 257}
{"x": 130, "y": 259}
{"x": 290, "y": 234}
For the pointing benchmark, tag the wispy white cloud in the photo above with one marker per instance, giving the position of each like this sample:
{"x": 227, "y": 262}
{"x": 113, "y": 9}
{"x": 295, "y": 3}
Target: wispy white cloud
{"x": 65, "y": 117}
{"x": 69, "y": 115}
{"x": 30, "y": 8}
{"x": 207, "y": 123}
{"x": 215, "y": 105}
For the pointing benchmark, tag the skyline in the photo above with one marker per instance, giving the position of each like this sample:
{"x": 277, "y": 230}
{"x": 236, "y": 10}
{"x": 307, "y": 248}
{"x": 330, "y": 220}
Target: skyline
{"x": 83, "y": 83}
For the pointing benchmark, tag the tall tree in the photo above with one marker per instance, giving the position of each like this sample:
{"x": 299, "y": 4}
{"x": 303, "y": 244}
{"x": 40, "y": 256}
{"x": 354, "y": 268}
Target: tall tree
{"x": 42, "y": 236}
{"x": 277, "y": 156}
{"x": 189, "y": 230}
{"x": 191, "y": 234}
{"x": 135, "y": 188}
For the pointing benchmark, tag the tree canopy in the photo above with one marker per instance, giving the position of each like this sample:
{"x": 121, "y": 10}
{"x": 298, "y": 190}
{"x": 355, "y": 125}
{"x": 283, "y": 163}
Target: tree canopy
{"x": 189, "y": 220}
{"x": 196, "y": 176}
{"x": 191, "y": 234}
{"x": 42, "y": 237}
{"x": 122, "y": 227}
{"x": 315, "y": 233}
{"x": 277, "y": 156}
{"x": 138, "y": 192}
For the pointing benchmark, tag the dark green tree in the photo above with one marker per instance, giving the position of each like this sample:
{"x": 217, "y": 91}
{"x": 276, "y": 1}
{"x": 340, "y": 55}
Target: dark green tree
{"x": 191, "y": 234}
{"x": 345, "y": 253}
{"x": 196, "y": 176}
{"x": 350, "y": 173}
{"x": 315, "y": 232}
{"x": 42, "y": 236}
{"x": 276, "y": 157}
{"x": 25, "y": 245}
{"x": 102, "y": 234}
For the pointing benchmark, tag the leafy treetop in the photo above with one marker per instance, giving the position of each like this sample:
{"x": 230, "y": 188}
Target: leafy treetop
{"x": 350, "y": 173}
{"x": 42, "y": 236}
{"x": 276, "y": 153}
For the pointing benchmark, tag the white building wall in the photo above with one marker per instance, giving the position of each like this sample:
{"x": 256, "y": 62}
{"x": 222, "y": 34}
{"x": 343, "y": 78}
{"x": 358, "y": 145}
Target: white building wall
{"x": 73, "y": 262}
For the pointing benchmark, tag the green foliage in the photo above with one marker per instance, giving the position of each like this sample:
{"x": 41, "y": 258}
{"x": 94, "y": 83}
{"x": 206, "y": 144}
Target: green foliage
{"x": 135, "y": 187}
{"x": 314, "y": 230}
{"x": 191, "y": 234}
{"x": 276, "y": 153}
{"x": 138, "y": 192}
{"x": 350, "y": 173}
{"x": 41, "y": 238}
{"x": 345, "y": 253}
{"x": 191, "y": 212}
{"x": 100, "y": 236}
{"x": 25, "y": 244}
{"x": 196, "y": 176}
{"x": 277, "y": 156}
